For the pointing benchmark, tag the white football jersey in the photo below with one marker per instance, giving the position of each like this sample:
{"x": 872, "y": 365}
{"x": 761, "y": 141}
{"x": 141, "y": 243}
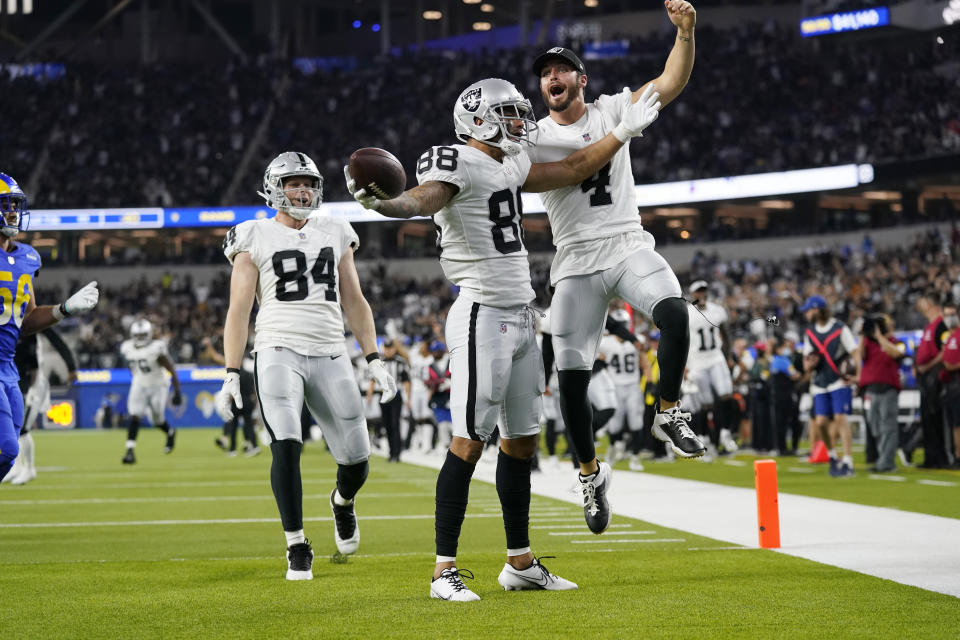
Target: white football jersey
{"x": 144, "y": 362}
{"x": 480, "y": 237}
{"x": 622, "y": 360}
{"x": 298, "y": 288}
{"x": 419, "y": 371}
{"x": 601, "y": 207}
{"x": 706, "y": 343}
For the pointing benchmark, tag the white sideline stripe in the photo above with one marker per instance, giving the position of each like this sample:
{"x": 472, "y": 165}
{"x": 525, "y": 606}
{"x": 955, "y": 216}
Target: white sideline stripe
{"x": 876, "y": 476}
{"x": 575, "y": 526}
{"x": 264, "y": 496}
{"x": 587, "y": 533}
{"x": 724, "y": 549}
{"x": 910, "y": 548}
{"x": 627, "y": 540}
{"x": 735, "y": 463}
{"x": 801, "y": 470}
{"x": 937, "y": 483}
{"x": 161, "y": 523}
{"x": 204, "y": 483}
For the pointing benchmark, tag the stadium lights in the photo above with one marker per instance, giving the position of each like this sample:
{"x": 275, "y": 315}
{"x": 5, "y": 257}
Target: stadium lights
{"x": 472, "y": 1}
{"x": 881, "y": 195}
{"x": 432, "y": 15}
{"x": 591, "y": 3}
{"x": 481, "y": 26}
{"x": 776, "y": 204}
{"x": 26, "y": 6}
{"x": 486, "y": 7}
{"x": 684, "y": 235}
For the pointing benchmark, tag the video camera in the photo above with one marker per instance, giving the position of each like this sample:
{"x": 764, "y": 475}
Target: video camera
{"x": 873, "y": 322}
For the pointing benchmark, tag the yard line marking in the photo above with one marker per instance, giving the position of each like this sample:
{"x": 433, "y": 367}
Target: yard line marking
{"x": 636, "y": 541}
{"x": 875, "y": 476}
{"x": 587, "y": 533}
{"x": 264, "y": 496}
{"x": 160, "y": 523}
{"x": 421, "y": 554}
{"x": 198, "y": 483}
{"x": 801, "y": 470}
{"x": 573, "y": 526}
{"x": 735, "y": 463}
{"x": 724, "y": 549}
{"x": 937, "y": 483}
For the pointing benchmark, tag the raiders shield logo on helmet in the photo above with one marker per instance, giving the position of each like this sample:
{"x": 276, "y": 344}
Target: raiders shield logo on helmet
{"x": 471, "y": 100}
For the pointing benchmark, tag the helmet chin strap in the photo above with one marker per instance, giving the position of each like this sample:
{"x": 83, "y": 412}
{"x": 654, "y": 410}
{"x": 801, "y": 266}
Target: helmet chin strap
{"x": 298, "y": 213}
{"x": 10, "y": 232}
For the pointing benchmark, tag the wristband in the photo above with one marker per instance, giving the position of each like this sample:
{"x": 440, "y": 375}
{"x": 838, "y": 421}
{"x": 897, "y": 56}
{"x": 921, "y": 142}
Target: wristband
{"x": 620, "y": 133}
{"x": 60, "y": 312}
{"x": 233, "y": 370}
{"x": 373, "y": 356}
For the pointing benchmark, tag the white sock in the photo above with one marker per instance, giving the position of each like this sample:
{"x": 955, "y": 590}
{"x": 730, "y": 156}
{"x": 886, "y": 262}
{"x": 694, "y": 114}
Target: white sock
{"x": 452, "y": 559}
{"x": 339, "y": 500}
{"x": 848, "y": 460}
{"x": 294, "y": 537}
{"x": 518, "y": 552}
{"x": 26, "y": 451}
{"x": 131, "y": 444}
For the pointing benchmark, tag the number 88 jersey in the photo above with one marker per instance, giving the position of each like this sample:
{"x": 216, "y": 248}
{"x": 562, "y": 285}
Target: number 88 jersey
{"x": 480, "y": 237}
{"x": 298, "y": 288}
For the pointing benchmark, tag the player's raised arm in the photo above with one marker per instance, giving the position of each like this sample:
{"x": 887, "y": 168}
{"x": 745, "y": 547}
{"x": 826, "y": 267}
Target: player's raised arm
{"x": 423, "y": 200}
{"x": 676, "y": 72}
{"x": 579, "y": 166}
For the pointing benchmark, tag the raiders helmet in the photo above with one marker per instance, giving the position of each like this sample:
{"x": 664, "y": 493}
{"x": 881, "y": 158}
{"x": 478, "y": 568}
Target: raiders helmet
{"x": 286, "y": 165}
{"x": 141, "y": 331}
{"x": 14, "y": 212}
{"x": 496, "y": 102}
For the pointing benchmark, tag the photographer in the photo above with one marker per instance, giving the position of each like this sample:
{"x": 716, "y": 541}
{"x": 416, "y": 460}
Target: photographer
{"x": 878, "y": 357}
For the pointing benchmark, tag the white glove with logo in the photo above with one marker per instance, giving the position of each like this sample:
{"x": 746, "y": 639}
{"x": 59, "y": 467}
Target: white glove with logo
{"x": 384, "y": 380}
{"x": 360, "y": 195}
{"x": 80, "y": 302}
{"x": 228, "y": 396}
{"x": 640, "y": 115}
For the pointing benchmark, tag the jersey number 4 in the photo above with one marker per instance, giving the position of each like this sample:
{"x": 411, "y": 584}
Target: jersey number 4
{"x": 321, "y": 273}
{"x": 599, "y": 184}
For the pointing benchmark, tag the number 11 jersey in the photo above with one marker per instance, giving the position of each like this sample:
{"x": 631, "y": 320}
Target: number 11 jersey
{"x": 298, "y": 288}
{"x": 480, "y": 234}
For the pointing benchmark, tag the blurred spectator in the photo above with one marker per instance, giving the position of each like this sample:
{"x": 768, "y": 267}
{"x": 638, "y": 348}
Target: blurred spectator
{"x": 878, "y": 356}
{"x": 928, "y": 364}
{"x": 950, "y": 378}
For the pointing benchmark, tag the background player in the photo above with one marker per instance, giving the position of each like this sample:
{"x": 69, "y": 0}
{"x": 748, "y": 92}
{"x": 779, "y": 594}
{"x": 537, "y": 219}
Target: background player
{"x": 23, "y": 316}
{"x": 603, "y": 251}
{"x": 496, "y": 369}
{"x": 299, "y": 266}
{"x": 148, "y": 359}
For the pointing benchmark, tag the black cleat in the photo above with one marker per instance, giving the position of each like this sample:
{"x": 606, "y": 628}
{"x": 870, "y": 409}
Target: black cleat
{"x": 596, "y": 507}
{"x": 300, "y": 561}
{"x": 673, "y": 427}
{"x": 171, "y": 437}
{"x": 221, "y": 442}
{"x": 346, "y": 532}
{"x": 129, "y": 458}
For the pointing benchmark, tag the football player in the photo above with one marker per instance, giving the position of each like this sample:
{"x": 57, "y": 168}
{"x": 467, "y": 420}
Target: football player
{"x": 496, "y": 369}
{"x": 420, "y": 414}
{"x": 708, "y": 363}
{"x": 19, "y": 313}
{"x": 624, "y": 364}
{"x": 299, "y": 266}
{"x": 603, "y": 251}
{"x": 147, "y": 359}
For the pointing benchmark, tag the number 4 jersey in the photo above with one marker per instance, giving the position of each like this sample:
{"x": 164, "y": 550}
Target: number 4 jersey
{"x": 480, "y": 237}
{"x": 596, "y": 223}
{"x": 298, "y": 287}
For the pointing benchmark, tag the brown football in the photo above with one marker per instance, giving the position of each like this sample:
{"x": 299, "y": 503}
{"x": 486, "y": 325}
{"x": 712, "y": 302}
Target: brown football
{"x": 379, "y": 172}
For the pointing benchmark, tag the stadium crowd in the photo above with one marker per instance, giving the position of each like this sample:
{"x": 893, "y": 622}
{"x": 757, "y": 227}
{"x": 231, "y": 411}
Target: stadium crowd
{"x": 170, "y": 136}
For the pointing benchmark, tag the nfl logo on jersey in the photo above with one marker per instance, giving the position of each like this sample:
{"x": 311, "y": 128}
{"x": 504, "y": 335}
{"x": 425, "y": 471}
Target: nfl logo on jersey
{"x": 586, "y": 137}
{"x": 503, "y": 327}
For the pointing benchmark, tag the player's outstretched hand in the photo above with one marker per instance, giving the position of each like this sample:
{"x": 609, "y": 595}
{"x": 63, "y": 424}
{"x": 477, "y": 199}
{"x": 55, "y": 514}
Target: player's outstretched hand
{"x": 83, "y": 300}
{"x": 639, "y": 115}
{"x": 366, "y": 200}
{"x": 228, "y": 396}
{"x": 384, "y": 380}
{"x": 177, "y": 399}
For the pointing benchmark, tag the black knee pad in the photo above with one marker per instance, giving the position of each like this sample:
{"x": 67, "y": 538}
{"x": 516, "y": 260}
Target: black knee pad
{"x": 350, "y": 477}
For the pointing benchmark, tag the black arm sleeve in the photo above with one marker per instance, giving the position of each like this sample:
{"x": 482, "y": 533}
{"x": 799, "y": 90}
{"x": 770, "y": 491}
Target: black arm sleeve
{"x": 620, "y": 330}
{"x": 547, "y": 349}
{"x": 54, "y": 337}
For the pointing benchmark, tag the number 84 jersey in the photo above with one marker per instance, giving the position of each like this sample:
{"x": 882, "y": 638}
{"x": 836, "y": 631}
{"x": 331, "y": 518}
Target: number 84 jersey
{"x": 480, "y": 237}
{"x": 298, "y": 287}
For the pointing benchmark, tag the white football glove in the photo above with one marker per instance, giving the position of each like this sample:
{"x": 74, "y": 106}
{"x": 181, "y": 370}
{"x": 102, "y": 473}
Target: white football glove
{"x": 384, "y": 380}
{"x": 80, "y": 302}
{"x": 229, "y": 395}
{"x": 639, "y": 115}
{"x": 360, "y": 195}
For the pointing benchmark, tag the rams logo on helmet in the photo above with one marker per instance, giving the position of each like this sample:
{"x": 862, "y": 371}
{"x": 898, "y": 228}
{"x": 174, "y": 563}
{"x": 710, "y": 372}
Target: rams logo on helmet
{"x": 471, "y": 100}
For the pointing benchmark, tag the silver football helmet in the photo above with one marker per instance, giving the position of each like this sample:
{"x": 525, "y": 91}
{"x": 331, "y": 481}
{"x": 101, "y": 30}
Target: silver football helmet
{"x": 286, "y": 165}
{"x": 496, "y": 103}
{"x": 141, "y": 331}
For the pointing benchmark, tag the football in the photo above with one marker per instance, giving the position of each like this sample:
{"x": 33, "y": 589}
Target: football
{"x": 379, "y": 172}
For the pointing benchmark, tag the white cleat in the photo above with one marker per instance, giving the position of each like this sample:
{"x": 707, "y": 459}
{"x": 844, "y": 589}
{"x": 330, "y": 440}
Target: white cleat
{"x": 635, "y": 463}
{"x": 727, "y": 442}
{"x": 300, "y": 561}
{"x": 536, "y": 576}
{"x": 449, "y": 586}
{"x": 25, "y": 476}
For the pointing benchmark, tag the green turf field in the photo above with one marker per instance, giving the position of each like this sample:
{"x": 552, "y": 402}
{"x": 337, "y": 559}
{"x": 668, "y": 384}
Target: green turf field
{"x": 189, "y": 546}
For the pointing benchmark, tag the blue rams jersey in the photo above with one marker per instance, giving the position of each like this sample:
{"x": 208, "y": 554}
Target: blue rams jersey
{"x": 17, "y": 269}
